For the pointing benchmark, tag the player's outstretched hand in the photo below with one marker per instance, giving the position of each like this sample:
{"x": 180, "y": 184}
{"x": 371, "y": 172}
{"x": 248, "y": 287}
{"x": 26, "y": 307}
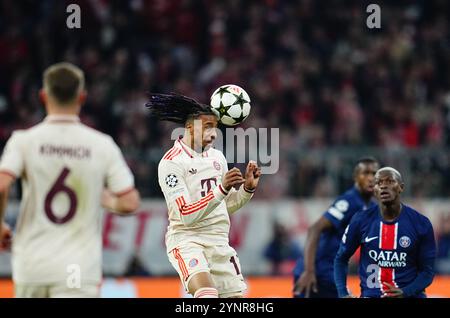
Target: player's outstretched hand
{"x": 306, "y": 282}
{"x": 5, "y": 237}
{"x": 252, "y": 174}
{"x": 392, "y": 292}
{"x": 232, "y": 177}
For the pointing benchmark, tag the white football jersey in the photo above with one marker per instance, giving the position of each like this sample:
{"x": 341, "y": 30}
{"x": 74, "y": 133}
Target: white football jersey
{"x": 198, "y": 205}
{"x": 64, "y": 166}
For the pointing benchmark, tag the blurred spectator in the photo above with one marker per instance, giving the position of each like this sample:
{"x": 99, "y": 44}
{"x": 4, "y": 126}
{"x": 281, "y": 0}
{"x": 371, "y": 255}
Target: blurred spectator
{"x": 312, "y": 69}
{"x": 282, "y": 251}
{"x": 135, "y": 268}
{"x": 443, "y": 245}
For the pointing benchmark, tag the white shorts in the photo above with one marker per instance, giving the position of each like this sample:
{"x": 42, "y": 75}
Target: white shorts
{"x": 56, "y": 291}
{"x": 220, "y": 261}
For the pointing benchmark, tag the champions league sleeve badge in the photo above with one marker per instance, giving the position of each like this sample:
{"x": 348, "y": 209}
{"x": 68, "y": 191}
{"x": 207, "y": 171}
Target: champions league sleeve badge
{"x": 171, "y": 180}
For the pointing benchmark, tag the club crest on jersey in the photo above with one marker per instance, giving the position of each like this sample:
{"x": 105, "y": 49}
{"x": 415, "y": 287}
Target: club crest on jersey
{"x": 193, "y": 262}
{"x": 404, "y": 241}
{"x": 216, "y": 165}
{"x": 171, "y": 180}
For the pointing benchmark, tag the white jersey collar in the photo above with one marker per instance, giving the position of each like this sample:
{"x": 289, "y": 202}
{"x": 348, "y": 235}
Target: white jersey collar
{"x": 189, "y": 151}
{"x": 62, "y": 119}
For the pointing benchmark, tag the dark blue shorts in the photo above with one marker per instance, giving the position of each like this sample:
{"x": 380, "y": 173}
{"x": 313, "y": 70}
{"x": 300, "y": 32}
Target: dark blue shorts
{"x": 326, "y": 289}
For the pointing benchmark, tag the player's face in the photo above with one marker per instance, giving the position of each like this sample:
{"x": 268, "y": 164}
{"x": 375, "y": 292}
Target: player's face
{"x": 365, "y": 176}
{"x": 387, "y": 187}
{"x": 205, "y": 134}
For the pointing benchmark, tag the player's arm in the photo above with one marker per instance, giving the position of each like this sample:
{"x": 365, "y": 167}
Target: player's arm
{"x": 120, "y": 195}
{"x": 333, "y": 217}
{"x": 171, "y": 179}
{"x": 5, "y": 232}
{"x": 5, "y": 182}
{"x": 121, "y": 203}
{"x": 307, "y": 279}
{"x": 236, "y": 199}
{"x": 349, "y": 244}
{"x": 11, "y": 166}
{"x": 426, "y": 259}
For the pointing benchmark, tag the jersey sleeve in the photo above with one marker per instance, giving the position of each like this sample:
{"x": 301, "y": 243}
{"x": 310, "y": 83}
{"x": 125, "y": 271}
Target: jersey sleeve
{"x": 13, "y": 157}
{"x": 427, "y": 256}
{"x": 235, "y": 199}
{"x": 349, "y": 243}
{"x": 336, "y": 213}
{"x": 427, "y": 247}
{"x": 119, "y": 178}
{"x": 173, "y": 184}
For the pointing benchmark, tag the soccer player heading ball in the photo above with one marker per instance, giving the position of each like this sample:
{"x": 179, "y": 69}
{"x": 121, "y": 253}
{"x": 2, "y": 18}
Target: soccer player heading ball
{"x": 199, "y": 192}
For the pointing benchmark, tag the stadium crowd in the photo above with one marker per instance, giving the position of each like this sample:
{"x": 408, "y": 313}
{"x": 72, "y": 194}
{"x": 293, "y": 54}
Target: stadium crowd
{"x": 312, "y": 68}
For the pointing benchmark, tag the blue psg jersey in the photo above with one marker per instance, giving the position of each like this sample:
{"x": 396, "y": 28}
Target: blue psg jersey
{"x": 391, "y": 252}
{"x": 339, "y": 214}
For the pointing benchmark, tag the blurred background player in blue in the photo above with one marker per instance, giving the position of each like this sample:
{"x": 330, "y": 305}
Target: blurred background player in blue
{"x": 398, "y": 250}
{"x": 313, "y": 275}
{"x": 282, "y": 251}
{"x": 443, "y": 246}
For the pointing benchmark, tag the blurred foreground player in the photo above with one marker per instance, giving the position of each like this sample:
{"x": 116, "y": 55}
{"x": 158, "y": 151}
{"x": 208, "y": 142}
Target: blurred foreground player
{"x": 313, "y": 275}
{"x": 64, "y": 167}
{"x": 199, "y": 192}
{"x": 397, "y": 245}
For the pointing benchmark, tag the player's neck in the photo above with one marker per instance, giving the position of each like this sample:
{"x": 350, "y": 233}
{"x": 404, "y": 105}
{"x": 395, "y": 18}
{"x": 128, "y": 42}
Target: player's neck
{"x": 68, "y": 111}
{"x": 364, "y": 195}
{"x": 390, "y": 212}
{"x": 189, "y": 141}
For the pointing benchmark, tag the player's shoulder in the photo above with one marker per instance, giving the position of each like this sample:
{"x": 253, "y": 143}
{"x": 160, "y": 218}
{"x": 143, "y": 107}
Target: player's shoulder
{"x": 172, "y": 158}
{"x": 27, "y": 131}
{"x": 215, "y": 153}
{"x": 21, "y": 135}
{"x": 366, "y": 216}
{"x": 350, "y": 194}
{"x": 345, "y": 200}
{"x": 95, "y": 133}
{"x": 417, "y": 218}
{"x": 80, "y": 130}
{"x": 96, "y": 139}
{"x": 173, "y": 154}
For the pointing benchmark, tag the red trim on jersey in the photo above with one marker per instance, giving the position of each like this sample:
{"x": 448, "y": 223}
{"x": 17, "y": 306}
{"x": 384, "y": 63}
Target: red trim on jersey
{"x": 386, "y": 276}
{"x": 169, "y": 152}
{"x": 8, "y": 173}
{"x": 123, "y": 192}
{"x": 207, "y": 292}
{"x": 224, "y": 192}
{"x": 388, "y": 236}
{"x": 249, "y": 191}
{"x": 176, "y": 153}
{"x": 194, "y": 207}
{"x": 203, "y": 200}
{"x": 388, "y": 241}
{"x": 181, "y": 264}
{"x": 184, "y": 148}
{"x": 189, "y": 209}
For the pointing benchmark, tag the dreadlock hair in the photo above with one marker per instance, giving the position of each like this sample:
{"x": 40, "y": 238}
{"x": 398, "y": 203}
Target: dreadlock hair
{"x": 176, "y": 108}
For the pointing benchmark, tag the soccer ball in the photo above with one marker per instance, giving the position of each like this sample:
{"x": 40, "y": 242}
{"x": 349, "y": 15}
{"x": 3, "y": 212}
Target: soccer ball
{"x": 231, "y": 104}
